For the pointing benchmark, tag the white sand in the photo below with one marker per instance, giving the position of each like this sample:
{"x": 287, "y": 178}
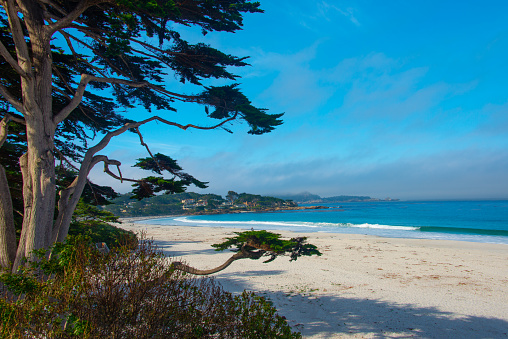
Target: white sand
{"x": 364, "y": 286}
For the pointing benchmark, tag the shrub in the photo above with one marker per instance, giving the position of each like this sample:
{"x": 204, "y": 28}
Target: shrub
{"x": 95, "y": 223}
{"x": 80, "y": 293}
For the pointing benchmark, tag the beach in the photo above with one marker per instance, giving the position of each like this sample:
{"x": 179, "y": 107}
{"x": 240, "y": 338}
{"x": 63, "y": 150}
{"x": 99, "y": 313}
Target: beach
{"x": 363, "y": 286}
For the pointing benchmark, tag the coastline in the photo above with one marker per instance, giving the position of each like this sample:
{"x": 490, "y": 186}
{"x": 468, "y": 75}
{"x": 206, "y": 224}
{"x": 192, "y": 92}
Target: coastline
{"x": 363, "y": 286}
{"x": 229, "y": 211}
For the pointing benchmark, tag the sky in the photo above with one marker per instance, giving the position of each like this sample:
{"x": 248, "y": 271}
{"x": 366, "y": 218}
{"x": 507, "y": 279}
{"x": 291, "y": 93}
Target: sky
{"x": 400, "y": 99}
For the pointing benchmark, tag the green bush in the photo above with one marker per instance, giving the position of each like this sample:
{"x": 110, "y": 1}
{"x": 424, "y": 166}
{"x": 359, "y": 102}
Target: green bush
{"x": 81, "y": 293}
{"x": 94, "y": 223}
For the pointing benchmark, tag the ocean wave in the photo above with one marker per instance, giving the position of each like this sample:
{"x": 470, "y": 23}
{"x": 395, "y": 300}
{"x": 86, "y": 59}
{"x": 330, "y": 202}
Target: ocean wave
{"x": 294, "y": 224}
{"x": 463, "y": 230}
{"x": 247, "y": 223}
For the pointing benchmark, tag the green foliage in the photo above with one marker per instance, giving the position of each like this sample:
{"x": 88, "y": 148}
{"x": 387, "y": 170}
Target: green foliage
{"x": 159, "y": 163}
{"x": 172, "y": 204}
{"x": 270, "y": 243}
{"x": 94, "y": 223}
{"x": 229, "y": 101}
{"x": 258, "y": 314}
{"x": 82, "y": 293}
{"x": 114, "y": 40}
{"x": 255, "y": 200}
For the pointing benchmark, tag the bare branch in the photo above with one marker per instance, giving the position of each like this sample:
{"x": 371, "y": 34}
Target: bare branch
{"x": 75, "y": 101}
{"x": 91, "y": 118}
{"x": 86, "y": 78}
{"x": 118, "y": 177}
{"x": 69, "y": 44}
{"x": 18, "y": 36}
{"x": 72, "y": 16}
{"x": 119, "y": 71}
{"x": 242, "y": 254}
{"x": 4, "y": 126}
{"x": 70, "y": 196}
{"x": 11, "y": 99}
{"x": 60, "y": 76}
{"x": 8, "y": 57}
{"x": 64, "y": 158}
{"x": 105, "y": 141}
{"x": 146, "y": 146}
{"x": 55, "y": 6}
{"x": 120, "y": 173}
{"x": 74, "y": 54}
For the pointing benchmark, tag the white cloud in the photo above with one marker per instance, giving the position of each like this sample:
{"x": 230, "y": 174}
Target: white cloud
{"x": 446, "y": 175}
{"x": 325, "y": 9}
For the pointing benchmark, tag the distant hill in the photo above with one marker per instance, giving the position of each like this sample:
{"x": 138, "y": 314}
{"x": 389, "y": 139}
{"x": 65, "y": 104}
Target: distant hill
{"x": 304, "y": 197}
{"x": 309, "y": 198}
{"x": 194, "y": 203}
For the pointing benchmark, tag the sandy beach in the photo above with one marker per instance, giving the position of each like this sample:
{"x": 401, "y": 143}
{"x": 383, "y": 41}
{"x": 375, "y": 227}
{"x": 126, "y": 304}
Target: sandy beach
{"x": 364, "y": 286}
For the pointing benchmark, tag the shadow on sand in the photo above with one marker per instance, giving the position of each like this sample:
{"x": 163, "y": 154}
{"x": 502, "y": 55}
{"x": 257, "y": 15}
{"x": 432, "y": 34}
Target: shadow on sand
{"x": 335, "y": 316}
{"x": 166, "y": 248}
{"x": 343, "y": 315}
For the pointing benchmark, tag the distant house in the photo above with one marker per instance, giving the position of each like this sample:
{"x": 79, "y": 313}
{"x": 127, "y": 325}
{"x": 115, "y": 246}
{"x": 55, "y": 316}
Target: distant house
{"x": 188, "y": 203}
{"x": 191, "y": 203}
{"x": 201, "y": 203}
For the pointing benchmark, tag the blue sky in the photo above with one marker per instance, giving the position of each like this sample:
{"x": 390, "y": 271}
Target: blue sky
{"x": 402, "y": 99}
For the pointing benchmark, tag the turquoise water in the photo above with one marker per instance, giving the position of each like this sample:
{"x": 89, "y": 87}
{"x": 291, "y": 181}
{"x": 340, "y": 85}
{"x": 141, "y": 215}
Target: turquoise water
{"x": 478, "y": 221}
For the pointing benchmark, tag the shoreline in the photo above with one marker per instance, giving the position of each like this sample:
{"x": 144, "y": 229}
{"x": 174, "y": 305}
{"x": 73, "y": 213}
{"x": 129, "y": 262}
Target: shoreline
{"x": 363, "y": 286}
{"x": 220, "y": 212}
{"x": 483, "y": 239}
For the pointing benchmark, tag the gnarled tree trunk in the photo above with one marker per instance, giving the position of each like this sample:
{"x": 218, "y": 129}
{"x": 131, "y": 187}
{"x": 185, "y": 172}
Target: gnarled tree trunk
{"x": 7, "y": 231}
{"x": 242, "y": 254}
{"x": 38, "y": 163}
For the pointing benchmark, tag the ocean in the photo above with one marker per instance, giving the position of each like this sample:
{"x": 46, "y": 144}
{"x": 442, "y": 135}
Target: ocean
{"x": 477, "y": 221}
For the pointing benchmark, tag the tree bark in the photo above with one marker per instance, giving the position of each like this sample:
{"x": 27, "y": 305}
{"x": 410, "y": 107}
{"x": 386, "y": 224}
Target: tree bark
{"x": 7, "y": 230}
{"x": 38, "y": 164}
{"x": 243, "y": 254}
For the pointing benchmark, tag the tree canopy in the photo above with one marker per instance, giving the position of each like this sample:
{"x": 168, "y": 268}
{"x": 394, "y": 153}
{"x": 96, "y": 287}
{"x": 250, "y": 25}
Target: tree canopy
{"x": 68, "y": 69}
{"x": 255, "y": 245}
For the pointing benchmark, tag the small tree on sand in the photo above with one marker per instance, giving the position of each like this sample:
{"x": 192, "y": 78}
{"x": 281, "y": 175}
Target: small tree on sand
{"x": 56, "y": 55}
{"x": 254, "y": 245}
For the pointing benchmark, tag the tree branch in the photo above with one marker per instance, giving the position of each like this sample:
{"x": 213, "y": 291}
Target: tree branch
{"x": 69, "y": 199}
{"x": 4, "y": 126}
{"x": 70, "y": 17}
{"x": 74, "y": 54}
{"x": 11, "y": 99}
{"x": 146, "y": 146}
{"x": 75, "y": 101}
{"x": 8, "y": 57}
{"x": 86, "y": 78}
{"x": 91, "y": 118}
{"x": 18, "y": 37}
{"x": 104, "y": 142}
{"x": 113, "y": 175}
{"x": 70, "y": 196}
{"x": 119, "y": 71}
{"x": 242, "y": 254}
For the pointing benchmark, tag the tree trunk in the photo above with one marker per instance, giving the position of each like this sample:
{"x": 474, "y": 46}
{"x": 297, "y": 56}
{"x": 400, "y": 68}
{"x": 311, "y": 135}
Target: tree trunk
{"x": 239, "y": 255}
{"x": 7, "y": 230}
{"x": 38, "y": 164}
{"x": 39, "y": 193}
